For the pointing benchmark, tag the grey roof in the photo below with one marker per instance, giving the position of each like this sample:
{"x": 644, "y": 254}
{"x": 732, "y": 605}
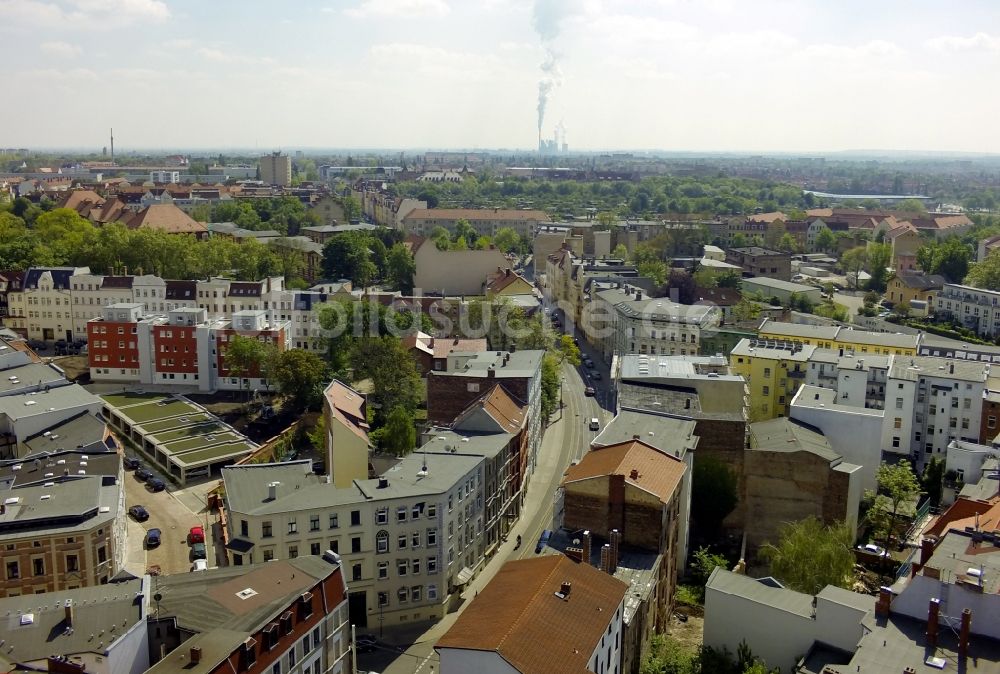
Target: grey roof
{"x": 695, "y": 399}
{"x": 986, "y": 488}
{"x": 33, "y": 468}
{"x": 778, "y": 284}
{"x": 788, "y": 435}
{"x": 838, "y": 595}
{"x": 82, "y": 431}
{"x": 30, "y": 377}
{"x": 913, "y": 367}
{"x": 207, "y": 603}
{"x": 110, "y": 610}
{"x": 520, "y": 364}
{"x": 759, "y": 592}
{"x": 15, "y": 407}
{"x": 757, "y": 348}
{"x": 664, "y": 432}
{"x": 657, "y": 308}
{"x": 478, "y": 444}
{"x": 819, "y": 397}
{"x": 896, "y": 340}
{"x": 74, "y": 504}
{"x": 954, "y": 555}
{"x": 299, "y": 489}
{"x": 758, "y": 250}
{"x": 824, "y": 332}
{"x": 643, "y": 366}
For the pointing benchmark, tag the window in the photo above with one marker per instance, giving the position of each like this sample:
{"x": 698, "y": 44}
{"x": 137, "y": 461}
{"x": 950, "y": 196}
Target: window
{"x": 382, "y": 516}
{"x": 291, "y": 657}
{"x": 250, "y": 652}
{"x": 38, "y": 567}
{"x": 356, "y": 571}
{"x": 13, "y": 571}
{"x": 415, "y": 512}
{"x": 415, "y": 539}
{"x": 415, "y": 593}
{"x": 306, "y": 645}
{"x": 314, "y": 549}
{"x": 767, "y": 372}
{"x": 895, "y": 441}
{"x": 401, "y": 514}
{"x": 382, "y": 542}
{"x": 401, "y": 566}
{"x": 432, "y": 510}
{"x": 473, "y": 387}
{"x": 402, "y": 594}
{"x": 244, "y": 528}
{"x": 314, "y": 523}
{"x": 383, "y": 598}
{"x": 991, "y": 421}
{"x": 415, "y": 566}
{"x": 293, "y": 527}
{"x": 965, "y": 424}
{"x": 316, "y": 638}
{"x": 334, "y": 523}
{"x": 355, "y": 543}
{"x": 432, "y": 535}
{"x": 897, "y": 422}
{"x": 432, "y": 564}
{"x": 899, "y": 402}
{"x": 276, "y": 668}
{"x": 355, "y": 518}
{"x": 334, "y": 546}
{"x": 383, "y": 570}
{"x": 401, "y": 541}
{"x": 72, "y": 563}
{"x": 265, "y": 529}
{"x": 766, "y": 390}
{"x": 432, "y": 592}
{"x": 268, "y": 555}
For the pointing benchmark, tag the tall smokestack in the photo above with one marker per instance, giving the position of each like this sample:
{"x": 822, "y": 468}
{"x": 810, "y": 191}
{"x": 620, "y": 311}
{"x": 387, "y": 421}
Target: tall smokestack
{"x": 112, "y": 147}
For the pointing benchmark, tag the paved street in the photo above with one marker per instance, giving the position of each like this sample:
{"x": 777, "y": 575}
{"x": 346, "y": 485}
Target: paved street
{"x": 566, "y": 439}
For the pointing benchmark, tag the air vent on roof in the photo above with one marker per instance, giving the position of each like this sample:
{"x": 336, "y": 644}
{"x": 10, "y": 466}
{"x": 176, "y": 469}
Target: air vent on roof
{"x": 247, "y": 593}
{"x": 13, "y": 500}
{"x": 28, "y": 403}
{"x": 105, "y": 509}
{"x": 49, "y": 484}
{"x": 45, "y": 497}
{"x": 61, "y": 462}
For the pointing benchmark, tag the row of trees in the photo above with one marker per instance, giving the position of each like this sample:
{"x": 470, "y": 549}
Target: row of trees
{"x": 286, "y": 215}
{"x": 465, "y": 237}
{"x": 367, "y": 256}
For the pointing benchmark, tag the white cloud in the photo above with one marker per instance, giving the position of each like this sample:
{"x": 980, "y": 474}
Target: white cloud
{"x": 179, "y": 43}
{"x": 221, "y": 56}
{"x": 327, "y": 10}
{"x": 431, "y": 62}
{"x": 958, "y": 43}
{"x": 76, "y": 14}
{"x": 57, "y": 48}
{"x": 398, "y": 8}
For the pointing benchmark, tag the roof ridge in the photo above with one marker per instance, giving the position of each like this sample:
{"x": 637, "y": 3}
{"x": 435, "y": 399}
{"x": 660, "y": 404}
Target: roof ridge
{"x": 530, "y": 603}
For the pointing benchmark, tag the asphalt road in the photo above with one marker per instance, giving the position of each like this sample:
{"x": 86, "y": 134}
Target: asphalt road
{"x": 566, "y": 440}
{"x": 172, "y": 518}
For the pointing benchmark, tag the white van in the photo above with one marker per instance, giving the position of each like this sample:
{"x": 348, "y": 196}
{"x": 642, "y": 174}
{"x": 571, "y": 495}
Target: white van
{"x": 595, "y": 425}
{"x": 199, "y": 565}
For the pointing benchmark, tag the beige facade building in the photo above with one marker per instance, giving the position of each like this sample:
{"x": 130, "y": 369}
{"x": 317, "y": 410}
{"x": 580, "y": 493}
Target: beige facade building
{"x": 276, "y": 169}
{"x": 454, "y": 272}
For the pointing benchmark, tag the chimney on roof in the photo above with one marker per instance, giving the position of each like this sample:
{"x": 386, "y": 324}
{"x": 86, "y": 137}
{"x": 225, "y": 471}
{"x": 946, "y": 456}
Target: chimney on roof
{"x": 884, "y": 602}
{"x": 272, "y": 490}
{"x": 585, "y": 543}
{"x": 606, "y": 557}
{"x": 616, "y": 538}
{"x": 933, "y": 611}
{"x": 507, "y": 272}
{"x": 963, "y": 634}
{"x": 491, "y": 373}
{"x": 69, "y": 613}
{"x": 634, "y": 475}
{"x": 565, "y": 588}
{"x": 195, "y": 655}
{"x": 926, "y": 549}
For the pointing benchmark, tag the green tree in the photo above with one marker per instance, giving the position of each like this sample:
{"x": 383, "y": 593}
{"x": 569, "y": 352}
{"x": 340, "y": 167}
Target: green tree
{"x": 352, "y": 208}
{"x": 567, "y": 350}
{"x": 897, "y": 487}
{"x": 606, "y": 219}
{"x": 245, "y": 357}
{"x": 986, "y": 274}
{"x": 300, "y": 375}
{"x": 393, "y": 373}
{"x": 507, "y": 240}
{"x": 349, "y": 256}
{"x": 656, "y": 270}
{"x": 932, "y": 481}
{"x": 739, "y": 240}
{"x": 464, "y": 231}
{"x": 705, "y": 278}
{"x": 398, "y": 436}
{"x": 809, "y": 556}
{"x": 911, "y": 206}
{"x": 949, "y": 258}
{"x": 853, "y": 262}
{"x": 713, "y": 494}
{"x": 400, "y": 268}
{"x": 317, "y": 434}
{"x": 879, "y": 257}
{"x": 787, "y": 243}
{"x": 745, "y": 310}
{"x": 729, "y": 279}
{"x": 551, "y": 381}
{"x": 681, "y": 287}
{"x": 620, "y": 252}
{"x": 825, "y": 240}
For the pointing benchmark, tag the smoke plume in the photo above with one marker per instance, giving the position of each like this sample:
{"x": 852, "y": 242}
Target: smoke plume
{"x": 547, "y": 19}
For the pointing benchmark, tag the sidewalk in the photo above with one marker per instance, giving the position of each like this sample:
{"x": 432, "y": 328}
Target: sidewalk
{"x": 135, "y": 554}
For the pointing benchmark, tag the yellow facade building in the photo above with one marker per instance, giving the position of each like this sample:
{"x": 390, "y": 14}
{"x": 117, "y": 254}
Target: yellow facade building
{"x": 773, "y": 370}
{"x": 837, "y": 337}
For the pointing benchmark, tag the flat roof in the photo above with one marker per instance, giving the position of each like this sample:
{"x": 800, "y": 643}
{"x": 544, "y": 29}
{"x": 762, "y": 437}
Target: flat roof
{"x": 803, "y": 352}
{"x": 778, "y": 284}
{"x": 83, "y": 430}
{"x": 61, "y": 397}
{"x": 666, "y": 433}
{"x": 787, "y": 435}
{"x": 913, "y": 367}
{"x": 121, "y": 400}
{"x": 157, "y": 410}
{"x": 30, "y": 376}
{"x": 76, "y": 503}
{"x": 764, "y": 591}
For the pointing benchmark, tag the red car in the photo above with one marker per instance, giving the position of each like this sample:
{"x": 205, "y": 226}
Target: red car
{"x": 196, "y": 535}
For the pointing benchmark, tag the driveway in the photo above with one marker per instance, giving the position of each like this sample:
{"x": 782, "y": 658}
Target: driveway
{"x": 171, "y": 517}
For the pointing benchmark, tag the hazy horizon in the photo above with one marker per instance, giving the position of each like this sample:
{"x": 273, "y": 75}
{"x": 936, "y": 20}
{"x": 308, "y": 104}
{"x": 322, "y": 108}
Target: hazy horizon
{"x": 763, "y": 77}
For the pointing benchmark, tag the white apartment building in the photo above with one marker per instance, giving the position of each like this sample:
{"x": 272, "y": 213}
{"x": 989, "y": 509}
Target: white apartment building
{"x": 165, "y": 176}
{"x": 407, "y": 540}
{"x": 42, "y": 308}
{"x": 942, "y": 397}
{"x": 858, "y": 379}
{"x": 975, "y": 308}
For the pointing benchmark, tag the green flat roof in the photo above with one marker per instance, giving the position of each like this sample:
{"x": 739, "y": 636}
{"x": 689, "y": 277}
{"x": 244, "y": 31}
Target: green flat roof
{"x": 212, "y": 454}
{"x": 126, "y": 399}
{"x": 199, "y": 442}
{"x": 154, "y": 411}
{"x": 176, "y": 423}
{"x": 189, "y": 432}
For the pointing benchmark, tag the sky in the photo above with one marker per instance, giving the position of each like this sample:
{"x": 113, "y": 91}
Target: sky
{"x": 686, "y": 75}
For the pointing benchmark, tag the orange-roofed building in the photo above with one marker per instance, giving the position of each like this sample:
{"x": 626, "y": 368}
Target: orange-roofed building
{"x": 547, "y": 615}
{"x": 346, "y": 417}
{"x": 431, "y": 353}
{"x": 167, "y": 218}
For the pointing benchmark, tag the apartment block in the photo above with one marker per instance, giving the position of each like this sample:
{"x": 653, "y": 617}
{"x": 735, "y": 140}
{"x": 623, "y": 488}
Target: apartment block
{"x": 975, "y": 308}
{"x": 276, "y": 169}
{"x": 41, "y": 308}
{"x": 773, "y": 371}
{"x": 757, "y": 261}
{"x": 838, "y": 337}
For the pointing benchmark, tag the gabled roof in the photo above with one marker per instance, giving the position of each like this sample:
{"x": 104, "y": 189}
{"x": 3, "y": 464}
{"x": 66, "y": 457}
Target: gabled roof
{"x": 180, "y": 290}
{"x": 518, "y": 615}
{"x": 504, "y": 409}
{"x": 348, "y": 407}
{"x": 654, "y": 471}
{"x": 79, "y": 199}
{"x": 167, "y": 218}
{"x": 921, "y": 281}
{"x": 504, "y": 279}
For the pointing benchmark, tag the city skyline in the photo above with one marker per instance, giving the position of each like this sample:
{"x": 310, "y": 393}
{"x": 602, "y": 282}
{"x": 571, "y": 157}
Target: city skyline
{"x": 671, "y": 75}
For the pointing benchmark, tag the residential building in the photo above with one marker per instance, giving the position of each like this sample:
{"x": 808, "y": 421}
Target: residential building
{"x": 987, "y": 246}
{"x": 549, "y": 605}
{"x": 485, "y": 221}
{"x": 790, "y": 472}
{"x": 165, "y": 176}
{"x": 276, "y": 169}
{"x": 431, "y": 353}
{"x": 288, "y": 616}
{"x": 757, "y": 261}
{"x": 943, "y": 397}
{"x": 454, "y": 272}
{"x": 839, "y": 337}
{"x": 975, "y": 308}
{"x": 323, "y": 233}
{"x": 469, "y": 375}
{"x": 60, "y": 634}
{"x": 784, "y": 291}
{"x": 166, "y": 217}
{"x": 41, "y": 307}
{"x": 309, "y": 253}
{"x": 233, "y": 232}
{"x": 183, "y": 348}
{"x": 857, "y": 434}
{"x": 410, "y": 538}
{"x": 62, "y": 521}
{"x": 989, "y": 429}
{"x": 345, "y": 417}
{"x": 784, "y": 627}
{"x": 971, "y": 461}
{"x": 910, "y": 286}
{"x": 905, "y": 241}
{"x": 773, "y": 371}
{"x": 508, "y": 283}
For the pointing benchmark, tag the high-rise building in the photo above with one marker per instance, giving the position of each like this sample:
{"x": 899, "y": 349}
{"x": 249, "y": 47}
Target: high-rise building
{"x": 276, "y": 169}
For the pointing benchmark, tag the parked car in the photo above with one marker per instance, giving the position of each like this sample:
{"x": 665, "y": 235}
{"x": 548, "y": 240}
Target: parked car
{"x": 143, "y": 474}
{"x": 196, "y": 535}
{"x": 872, "y": 549}
{"x": 156, "y": 484}
{"x": 366, "y": 643}
{"x": 153, "y": 538}
{"x": 543, "y": 540}
{"x": 589, "y": 364}
{"x": 596, "y": 376}
{"x": 595, "y": 425}
{"x": 199, "y": 565}
{"x": 130, "y": 463}
{"x": 589, "y": 391}
{"x": 198, "y": 551}
{"x": 139, "y": 513}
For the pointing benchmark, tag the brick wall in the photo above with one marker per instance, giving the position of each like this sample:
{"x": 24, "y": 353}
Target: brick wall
{"x": 448, "y": 395}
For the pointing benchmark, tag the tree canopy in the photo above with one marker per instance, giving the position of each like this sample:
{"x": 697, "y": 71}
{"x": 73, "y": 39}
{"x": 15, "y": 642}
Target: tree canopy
{"x": 898, "y": 488}
{"x": 809, "y": 556}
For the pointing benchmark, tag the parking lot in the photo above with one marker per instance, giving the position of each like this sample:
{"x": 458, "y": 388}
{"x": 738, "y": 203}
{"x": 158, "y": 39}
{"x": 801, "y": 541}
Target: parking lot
{"x": 173, "y": 519}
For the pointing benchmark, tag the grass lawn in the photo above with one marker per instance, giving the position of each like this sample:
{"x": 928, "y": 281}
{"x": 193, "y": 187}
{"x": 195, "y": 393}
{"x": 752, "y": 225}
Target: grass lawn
{"x": 213, "y": 454}
{"x": 178, "y": 422}
{"x": 181, "y": 446}
{"x": 188, "y": 432}
{"x": 153, "y": 411}
{"x": 124, "y": 399}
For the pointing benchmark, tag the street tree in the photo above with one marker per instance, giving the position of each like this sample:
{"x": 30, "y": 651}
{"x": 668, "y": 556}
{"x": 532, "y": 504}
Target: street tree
{"x": 551, "y": 381}
{"x": 300, "y": 375}
{"x": 809, "y": 556}
{"x": 898, "y": 488}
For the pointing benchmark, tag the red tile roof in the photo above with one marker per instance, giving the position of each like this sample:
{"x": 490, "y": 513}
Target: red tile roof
{"x": 166, "y": 218}
{"x": 518, "y": 615}
{"x": 655, "y": 472}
